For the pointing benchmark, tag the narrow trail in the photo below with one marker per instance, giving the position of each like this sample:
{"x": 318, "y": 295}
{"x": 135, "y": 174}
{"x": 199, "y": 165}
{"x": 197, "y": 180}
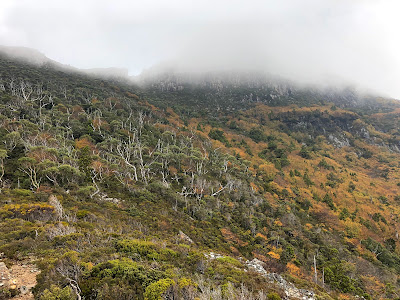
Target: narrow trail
{"x": 20, "y": 277}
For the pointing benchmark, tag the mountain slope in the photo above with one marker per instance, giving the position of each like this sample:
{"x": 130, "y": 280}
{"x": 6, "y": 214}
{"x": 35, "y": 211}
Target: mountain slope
{"x": 36, "y": 58}
{"x": 123, "y": 189}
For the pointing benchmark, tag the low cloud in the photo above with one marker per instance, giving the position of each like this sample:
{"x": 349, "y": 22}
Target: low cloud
{"x": 323, "y": 42}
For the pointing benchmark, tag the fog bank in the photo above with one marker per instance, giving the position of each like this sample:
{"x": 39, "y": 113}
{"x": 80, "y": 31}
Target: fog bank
{"x": 310, "y": 41}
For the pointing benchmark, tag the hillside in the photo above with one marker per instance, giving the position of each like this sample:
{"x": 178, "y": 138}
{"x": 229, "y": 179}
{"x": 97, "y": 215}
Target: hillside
{"x": 215, "y": 186}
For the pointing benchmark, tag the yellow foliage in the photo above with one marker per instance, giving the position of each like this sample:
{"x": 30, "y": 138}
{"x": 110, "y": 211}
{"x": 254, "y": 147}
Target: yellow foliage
{"x": 262, "y": 236}
{"x": 308, "y": 226}
{"x": 89, "y": 266}
{"x": 353, "y": 229}
{"x": 293, "y": 269}
{"x": 274, "y": 255}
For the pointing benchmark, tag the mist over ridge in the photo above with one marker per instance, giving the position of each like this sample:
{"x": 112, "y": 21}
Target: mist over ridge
{"x": 312, "y": 42}
{"x": 177, "y": 77}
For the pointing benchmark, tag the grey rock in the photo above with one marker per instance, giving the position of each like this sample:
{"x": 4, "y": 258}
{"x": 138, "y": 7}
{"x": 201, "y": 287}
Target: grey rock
{"x": 24, "y": 290}
{"x": 289, "y": 288}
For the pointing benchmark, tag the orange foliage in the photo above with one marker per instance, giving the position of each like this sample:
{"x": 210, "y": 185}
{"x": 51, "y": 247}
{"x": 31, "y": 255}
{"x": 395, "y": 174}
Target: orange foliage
{"x": 308, "y": 226}
{"x": 293, "y": 269}
{"x": 171, "y": 112}
{"x": 230, "y": 237}
{"x": 44, "y": 189}
{"x": 172, "y": 170}
{"x": 77, "y": 109}
{"x": 96, "y": 123}
{"x": 274, "y": 255}
{"x": 254, "y": 187}
{"x": 262, "y": 236}
{"x": 131, "y": 95}
{"x": 260, "y": 257}
{"x": 97, "y": 165}
{"x": 42, "y": 154}
{"x": 373, "y": 284}
{"x": 147, "y": 104}
{"x": 231, "y": 204}
{"x": 164, "y": 225}
{"x": 83, "y": 142}
{"x": 234, "y": 250}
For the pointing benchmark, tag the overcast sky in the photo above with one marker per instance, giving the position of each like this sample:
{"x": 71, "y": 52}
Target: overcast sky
{"x": 355, "y": 41}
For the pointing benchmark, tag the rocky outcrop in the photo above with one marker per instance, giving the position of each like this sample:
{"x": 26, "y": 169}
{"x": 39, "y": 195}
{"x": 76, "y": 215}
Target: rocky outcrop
{"x": 339, "y": 140}
{"x": 184, "y": 238}
{"x": 291, "y": 291}
{"x": 5, "y": 275}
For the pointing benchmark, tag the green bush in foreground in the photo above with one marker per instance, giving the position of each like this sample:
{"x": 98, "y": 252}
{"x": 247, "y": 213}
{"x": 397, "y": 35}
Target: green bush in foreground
{"x": 57, "y": 293}
{"x": 156, "y": 290}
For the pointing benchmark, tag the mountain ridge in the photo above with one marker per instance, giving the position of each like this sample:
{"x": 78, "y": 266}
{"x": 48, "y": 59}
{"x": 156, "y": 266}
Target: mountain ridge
{"x": 33, "y": 56}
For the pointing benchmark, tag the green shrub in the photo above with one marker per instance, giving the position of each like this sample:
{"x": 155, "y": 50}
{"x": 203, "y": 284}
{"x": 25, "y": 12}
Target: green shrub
{"x": 218, "y": 135}
{"x": 127, "y": 270}
{"x": 305, "y": 152}
{"x": 230, "y": 260}
{"x": 146, "y": 249}
{"x": 329, "y": 201}
{"x": 287, "y": 254}
{"x": 156, "y": 290}
{"x": 57, "y": 293}
{"x": 82, "y": 213}
{"x": 257, "y": 135}
{"x": 273, "y": 296}
{"x": 85, "y": 191}
{"x": 143, "y": 248}
{"x": 325, "y": 165}
{"x": 22, "y": 193}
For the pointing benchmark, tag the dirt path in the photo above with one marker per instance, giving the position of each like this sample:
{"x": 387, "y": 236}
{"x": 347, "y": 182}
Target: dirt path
{"x": 21, "y": 275}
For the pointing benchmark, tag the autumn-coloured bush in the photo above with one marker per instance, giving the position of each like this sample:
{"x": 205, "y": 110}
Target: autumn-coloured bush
{"x": 29, "y": 212}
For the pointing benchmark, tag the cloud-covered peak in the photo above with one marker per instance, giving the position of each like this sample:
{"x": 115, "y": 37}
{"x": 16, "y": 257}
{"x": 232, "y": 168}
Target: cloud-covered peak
{"x": 308, "y": 41}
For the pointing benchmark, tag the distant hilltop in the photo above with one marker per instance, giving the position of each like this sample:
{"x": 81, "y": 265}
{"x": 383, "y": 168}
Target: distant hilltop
{"x": 35, "y": 57}
{"x": 28, "y": 55}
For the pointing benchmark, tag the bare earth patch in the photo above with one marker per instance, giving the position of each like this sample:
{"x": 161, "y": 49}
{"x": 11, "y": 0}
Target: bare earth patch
{"x": 21, "y": 275}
